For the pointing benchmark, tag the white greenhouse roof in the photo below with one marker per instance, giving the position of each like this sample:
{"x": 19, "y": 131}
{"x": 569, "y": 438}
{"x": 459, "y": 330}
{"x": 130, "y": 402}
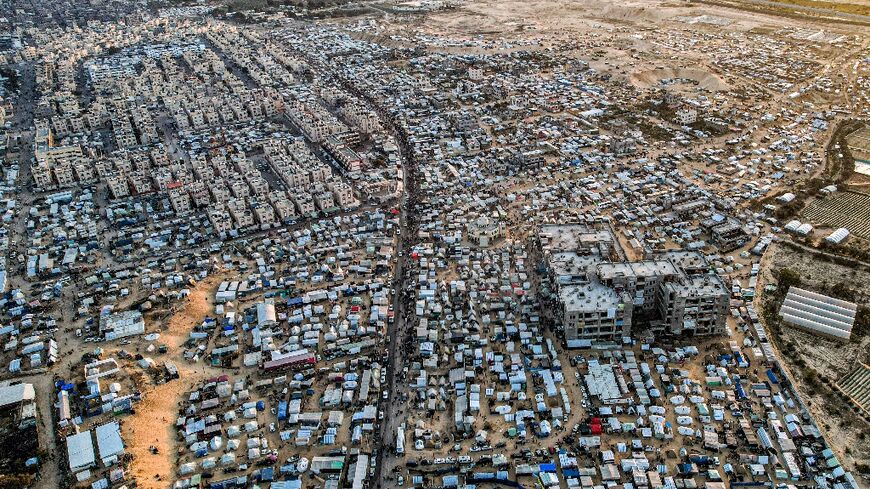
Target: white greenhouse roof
{"x": 818, "y": 313}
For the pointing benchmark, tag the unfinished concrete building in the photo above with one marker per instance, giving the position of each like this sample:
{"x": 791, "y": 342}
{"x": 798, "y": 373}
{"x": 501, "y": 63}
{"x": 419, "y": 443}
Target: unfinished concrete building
{"x": 601, "y": 297}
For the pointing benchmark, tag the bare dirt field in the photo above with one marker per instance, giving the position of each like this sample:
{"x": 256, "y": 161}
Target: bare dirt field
{"x": 551, "y": 17}
{"x": 153, "y": 422}
{"x": 625, "y": 40}
{"x": 817, "y": 363}
{"x": 704, "y": 79}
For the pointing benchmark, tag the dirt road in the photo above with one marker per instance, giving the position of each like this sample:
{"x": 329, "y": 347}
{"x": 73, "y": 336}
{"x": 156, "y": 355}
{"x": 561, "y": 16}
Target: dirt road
{"x": 155, "y": 415}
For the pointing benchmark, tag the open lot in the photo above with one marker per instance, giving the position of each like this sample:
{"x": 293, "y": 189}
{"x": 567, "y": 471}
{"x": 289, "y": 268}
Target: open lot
{"x": 816, "y": 363}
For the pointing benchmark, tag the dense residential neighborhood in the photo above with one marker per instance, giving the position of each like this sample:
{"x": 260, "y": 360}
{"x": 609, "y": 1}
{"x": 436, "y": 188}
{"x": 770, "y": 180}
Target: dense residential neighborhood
{"x": 434, "y": 244}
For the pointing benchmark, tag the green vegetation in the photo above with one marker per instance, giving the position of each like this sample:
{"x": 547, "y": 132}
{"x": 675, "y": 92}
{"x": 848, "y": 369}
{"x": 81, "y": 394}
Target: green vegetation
{"x": 816, "y": 382}
{"x": 840, "y": 163}
{"x": 839, "y": 167}
{"x": 243, "y": 5}
{"x": 799, "y": 9}
{"x": 786, "y": 278}
{"x": 852, "y": 249}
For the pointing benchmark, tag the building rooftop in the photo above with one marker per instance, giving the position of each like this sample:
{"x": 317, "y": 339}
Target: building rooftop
{"x": 646, "y": 269}
{"x": 572, "y": 237}
{"x": 14, "y": 394}
{"x": 589, "y": 297}
{"x": 571, "y": 263}
{"x": 698, "y": 286}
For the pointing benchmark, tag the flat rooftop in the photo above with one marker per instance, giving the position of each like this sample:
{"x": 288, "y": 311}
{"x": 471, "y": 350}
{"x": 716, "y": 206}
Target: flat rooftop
{"x": 698, "y": 286}
{"x": 590, "y": 297}
{"x": 646, "y": 268}
{"x": 572, "y": 237}
{"x": 572, "y": 263}
{"x": 687, "y": 259}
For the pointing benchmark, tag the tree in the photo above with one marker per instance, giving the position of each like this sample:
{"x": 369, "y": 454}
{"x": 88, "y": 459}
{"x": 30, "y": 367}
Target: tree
{"x": 788, "y": 278}
{"x": 842, "y": 290}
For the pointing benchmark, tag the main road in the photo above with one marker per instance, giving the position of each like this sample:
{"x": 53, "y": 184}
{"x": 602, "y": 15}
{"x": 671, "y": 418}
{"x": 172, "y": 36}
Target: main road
{"x": 392, "y": 407}
{"x": 396, "y": 385}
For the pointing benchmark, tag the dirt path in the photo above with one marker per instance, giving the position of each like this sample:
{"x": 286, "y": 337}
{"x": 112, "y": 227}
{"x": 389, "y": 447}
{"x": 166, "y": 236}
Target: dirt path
{"x": 154, "y": 420}
{"x": 43, "y": 384}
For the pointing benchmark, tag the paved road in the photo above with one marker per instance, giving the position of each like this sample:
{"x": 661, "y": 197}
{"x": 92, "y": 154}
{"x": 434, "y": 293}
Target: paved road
{"x": 397, "y": 388}
{"x": 393, "y": 407}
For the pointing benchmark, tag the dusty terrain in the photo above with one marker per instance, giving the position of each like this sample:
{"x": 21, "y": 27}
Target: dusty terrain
{"x": 554, "y": 18}
{"x": 704, "y": 79}
{"x": 153, "y": 422}
{"x": 818, "y": 363}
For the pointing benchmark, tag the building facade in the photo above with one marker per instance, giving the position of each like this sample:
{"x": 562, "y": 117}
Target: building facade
{"x": 599, "y": 298}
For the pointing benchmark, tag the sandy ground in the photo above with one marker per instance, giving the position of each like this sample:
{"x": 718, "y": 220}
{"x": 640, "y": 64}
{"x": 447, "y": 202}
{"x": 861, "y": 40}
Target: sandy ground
{"x": 552, "y": 17}
{"x": 829, "y": 358}
{"x": 705, "y": 79}
{"x": 154, "y": 420}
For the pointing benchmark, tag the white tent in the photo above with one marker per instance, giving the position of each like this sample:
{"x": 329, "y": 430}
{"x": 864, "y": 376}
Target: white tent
{"x": 80, "y": 451}
{"x": 266, "y": 315}
{"x": 109, "y": 441}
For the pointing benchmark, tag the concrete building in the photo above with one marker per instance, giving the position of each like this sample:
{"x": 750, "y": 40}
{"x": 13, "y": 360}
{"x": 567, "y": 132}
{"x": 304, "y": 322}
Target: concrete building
{"x": 179, "y": 198}
{"x": 484, "y": 230}
{"x": 118, "y": 186}
{"x": 684, "y": 117}
{"x": 599, "y": 299}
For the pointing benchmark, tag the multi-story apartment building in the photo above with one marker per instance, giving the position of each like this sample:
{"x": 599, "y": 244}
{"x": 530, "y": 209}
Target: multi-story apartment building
{"x": 118, "y": 185}
{"x": 324, "y": 198}
{"x": 84, "y": 172}
{"x": 599, "y": 296}
{"x": 305, "y": 204}
{"x": 179, "y": 198}
{"x": 220, "y": 220}
{"x": 349, "y": 159}
{"x": 592, "y": 311}
{"x": 343, "y": 194}
{"x": 264, "y": 214}
{"x": 284, "y": 207}
{"x": 241, "y": 213}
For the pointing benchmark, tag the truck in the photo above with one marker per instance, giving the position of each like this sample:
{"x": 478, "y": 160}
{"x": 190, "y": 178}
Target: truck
{"x": 400, "y": 440}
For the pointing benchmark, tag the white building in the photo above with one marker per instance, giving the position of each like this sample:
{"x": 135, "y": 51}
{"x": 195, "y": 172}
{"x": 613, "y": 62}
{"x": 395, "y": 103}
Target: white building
{"x": 109, "y": 443}
{"x": 483, "y": 230}
{"x": 80, "y": 451}
{"x": 122, "y": 324}
{"x": 266, "y": 315}
{"x": 818, "y": 313}
{"x": 684, "y": 117}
